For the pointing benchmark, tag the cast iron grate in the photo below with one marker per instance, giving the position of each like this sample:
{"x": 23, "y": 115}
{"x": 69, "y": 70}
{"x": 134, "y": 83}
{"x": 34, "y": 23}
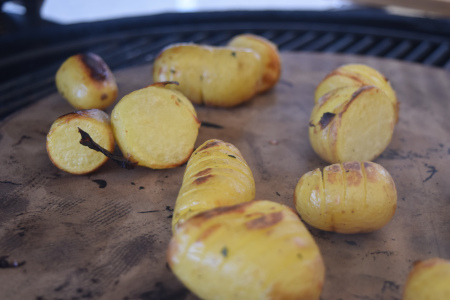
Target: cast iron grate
{"x": 28, "y": 63}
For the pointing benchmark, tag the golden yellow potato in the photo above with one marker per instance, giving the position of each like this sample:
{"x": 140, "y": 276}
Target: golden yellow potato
{"x": 351, "y": 197}
{"x": 155, "y": 127}
{"x": 86, "y": 82}
{"x": 63, "y": 141}
{"x": 428, "y": 280}
{"x": 254, "y": 250}
{"x": 216, "y": 175}
{"x": 220, "y": 76}
{"x": 351, "y": 123}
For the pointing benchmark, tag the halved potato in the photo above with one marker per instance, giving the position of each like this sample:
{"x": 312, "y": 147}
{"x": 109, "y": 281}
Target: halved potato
{"x": 351, "y": 197}
{"x": 428, "y": 280}
{"x": 216, "y": 175}
{"x": 254, "y": 250}
{"x": 155, "y": 127}
{"x": 86, "y": 81}
{"x": 63, "y": 141}
{"x": 351, "y": 123}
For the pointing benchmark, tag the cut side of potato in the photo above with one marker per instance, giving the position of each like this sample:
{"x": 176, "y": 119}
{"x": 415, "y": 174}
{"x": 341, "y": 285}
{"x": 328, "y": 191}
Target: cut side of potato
{"x": 155, "y": 127}
{"x": 254, "y": 250}
{"x": 63, "y": 141}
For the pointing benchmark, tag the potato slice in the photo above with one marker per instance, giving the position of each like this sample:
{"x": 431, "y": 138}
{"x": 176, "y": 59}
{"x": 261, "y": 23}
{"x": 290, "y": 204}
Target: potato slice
{"x": 353, "y": 197}
{"x": 63, "y": 141}
{"x": 155, "y": 127}
{"x": 216, "y": 175}
{"x": 352, "y": 124}
{"x": 428, "y": 280}
{"x": 86, "y": 82}
{"x": 254, "y": 250}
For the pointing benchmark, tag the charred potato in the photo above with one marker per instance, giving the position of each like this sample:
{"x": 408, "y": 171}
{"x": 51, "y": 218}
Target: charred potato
{"x": 64, "y": 148}
{"x": 220, "y": 76}
{"x": 351, "y": 197}
{"x": 428, "y": 280}
{"x": 155, "y": 127}
{"x": 254, "y": 250}
{"x": 86, "y": 82}
{"x": 216, "y": 175}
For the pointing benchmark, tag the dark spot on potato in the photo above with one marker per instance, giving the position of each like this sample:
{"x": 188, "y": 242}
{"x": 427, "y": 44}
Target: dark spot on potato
{"x": 311, "y": 124}
{"x": 203, "y": 179}
{"x": 233, "y": 54}
{"x": 265, "y": 221}
{"x": 172, "y": 71}
{"x": 210, "y": 145}
{"x": 354, "y": 173}
{"x": 371, "y": 171}
{"x": 326, "y": 119}
{"x": 343, "y": 211}
{"x": 104, "y": 97}
{"x": 98, "y": 70}
{"x": 203, "y": 172}
{"x": 232, "y": 156}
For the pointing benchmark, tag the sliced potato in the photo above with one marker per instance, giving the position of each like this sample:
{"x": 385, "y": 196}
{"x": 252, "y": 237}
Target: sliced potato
{"x": 155, "y": 127}
{"x": 86, "y": 82}
{"x": 428, "y": 280}
{"x": 63, "y": 141}
{"x": 351, "y": 197}
{"x": 254, "y": 250}
{"x": 216, "y": 175}
{"x": 351, "y": 123}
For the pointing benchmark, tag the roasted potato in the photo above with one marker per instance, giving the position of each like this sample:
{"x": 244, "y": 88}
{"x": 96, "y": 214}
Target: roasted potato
{"x": 216, "y": 175}
{"x": 220, "y": 76}
{"x": 63, "y": 141}
{"x": 254, "y": 250}
{"x": 352, "y": 123}
{"x": 351, "y": 197}
{"x": 86, "y": 82}
{"x": 428, "y": 280}
{"x": 155, "y": 127}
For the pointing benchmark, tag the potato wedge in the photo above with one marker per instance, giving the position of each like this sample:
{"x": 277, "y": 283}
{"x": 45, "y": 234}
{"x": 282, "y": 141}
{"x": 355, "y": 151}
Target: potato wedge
{"x": 86, "y": 82}
{"x": 155, "y": 127}
{"x": 351, "y": 123}
{"x": 351, "y": 197}
{"x": 428, "y": 280}
{"x": 216, "y": 175}
{"x": 63, "y": 141}
{"x": 253, "y": 250}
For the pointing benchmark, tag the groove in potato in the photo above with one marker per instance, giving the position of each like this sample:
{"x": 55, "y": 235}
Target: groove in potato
{"x": 351, "y": 197}
{"x": 351, "y": 123}
{"x": 253, "y": 250}
{"x": 155, "y": 127}
{"x": 86, "y": 82}
{"x": 220, "y": 76}
{"x": 216, "y": 175}
{"x": 429, "y": 279}
{"x": 64, "y": 148}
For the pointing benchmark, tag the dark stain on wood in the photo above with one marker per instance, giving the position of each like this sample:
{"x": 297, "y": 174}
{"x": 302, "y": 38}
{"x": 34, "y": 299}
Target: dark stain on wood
{"x": 101, "y": 183}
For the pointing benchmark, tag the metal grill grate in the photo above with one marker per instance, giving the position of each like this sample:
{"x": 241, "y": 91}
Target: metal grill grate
{"x": 28, "y": 75}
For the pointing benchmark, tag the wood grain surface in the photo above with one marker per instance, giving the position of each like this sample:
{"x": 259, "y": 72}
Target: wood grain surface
{"x": 104, "y": 235}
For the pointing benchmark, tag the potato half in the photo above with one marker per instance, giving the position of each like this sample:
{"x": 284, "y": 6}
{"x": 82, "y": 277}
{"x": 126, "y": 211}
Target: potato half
{"x": 351, "y": 197}
{"x": 86, "y": 81}
{"x": 155, "y": 127}
{"x": 428, "y": 280}
{"x": 254, "y": 250}
{"x": 216, "y": 175}
{"x": 63, "y": 141}
{"x": 351, "y": 123}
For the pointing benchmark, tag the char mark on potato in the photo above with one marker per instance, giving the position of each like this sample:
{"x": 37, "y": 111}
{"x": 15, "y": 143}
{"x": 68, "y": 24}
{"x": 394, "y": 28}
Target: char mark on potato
{"x": 326, "y": 119}
{"x": 97, "y": 67}
{"x": 265, "y": 221}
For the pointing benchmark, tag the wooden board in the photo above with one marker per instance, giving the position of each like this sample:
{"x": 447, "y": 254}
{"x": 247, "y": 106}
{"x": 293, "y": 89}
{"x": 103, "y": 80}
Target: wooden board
{"x": 80, "y": 239}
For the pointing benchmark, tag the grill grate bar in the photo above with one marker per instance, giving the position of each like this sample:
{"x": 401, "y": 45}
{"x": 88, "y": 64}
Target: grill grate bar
{"x": 299, "y": 42}
{"x": 381, "y": 48}
{"x": 321, "y": 42}
{"x": 361, "y": 46}
{"x": 420, "y": 52}
{"x": 340, "y": 44}
{"x": 284, "y": 38}
{"x": 400, "y": 50}
{"x": 438, "y": 56}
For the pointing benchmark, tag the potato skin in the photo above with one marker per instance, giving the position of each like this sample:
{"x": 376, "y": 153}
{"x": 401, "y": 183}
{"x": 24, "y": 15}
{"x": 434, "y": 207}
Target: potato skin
{"x": 216, "y": 175}
{"x": 86, "y": 82}
{"x": 253, "y": 250}
{"x": 428, "y": 280}
{"x": 351, "y": 197}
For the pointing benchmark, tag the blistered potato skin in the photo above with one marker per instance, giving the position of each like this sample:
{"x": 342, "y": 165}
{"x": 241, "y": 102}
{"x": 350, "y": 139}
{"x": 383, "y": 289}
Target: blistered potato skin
{"x": 428, "y": 280}
{"x": 255, "y": 250}
{"x": 351, "y": 197}
{"x": 86, "y": 82}
{"x": 155, "y": 127}
{"x": 64, "y": 148}
{"x": 216, "y": 175}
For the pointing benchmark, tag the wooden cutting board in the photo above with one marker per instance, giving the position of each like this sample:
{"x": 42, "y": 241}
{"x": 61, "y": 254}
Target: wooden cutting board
{"x": 105, "y": 235}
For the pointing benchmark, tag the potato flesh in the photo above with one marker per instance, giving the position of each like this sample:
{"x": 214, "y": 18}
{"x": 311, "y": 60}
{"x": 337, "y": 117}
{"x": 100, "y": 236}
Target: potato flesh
{"x": 255, "y": 250}
{"x": 64, "y": 148}
{"x": 351, "y": 197}
{"x": 216, "y": 175}
{"x": 155, "y": 128}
